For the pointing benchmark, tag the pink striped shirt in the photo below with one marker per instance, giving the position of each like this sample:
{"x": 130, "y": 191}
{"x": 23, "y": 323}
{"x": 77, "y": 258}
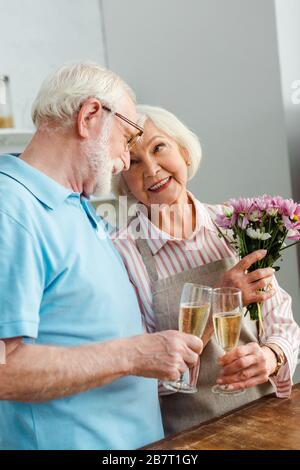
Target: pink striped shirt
{"x": 173, "y": 256}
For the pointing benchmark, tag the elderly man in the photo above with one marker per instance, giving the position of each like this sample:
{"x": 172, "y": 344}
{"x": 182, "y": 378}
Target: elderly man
{"x": 80, "y": 372}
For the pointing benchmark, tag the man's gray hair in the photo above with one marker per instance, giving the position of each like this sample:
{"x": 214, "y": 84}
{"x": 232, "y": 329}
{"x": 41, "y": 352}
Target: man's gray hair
{"x": 65, "y": 89}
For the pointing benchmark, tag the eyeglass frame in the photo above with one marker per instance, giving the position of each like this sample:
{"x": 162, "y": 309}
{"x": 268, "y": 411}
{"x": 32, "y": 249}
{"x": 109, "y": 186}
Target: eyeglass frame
{"x": 133, "y": 140}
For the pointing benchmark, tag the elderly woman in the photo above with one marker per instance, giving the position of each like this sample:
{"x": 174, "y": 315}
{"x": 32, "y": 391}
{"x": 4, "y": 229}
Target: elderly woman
{"x": 173, "y": 240}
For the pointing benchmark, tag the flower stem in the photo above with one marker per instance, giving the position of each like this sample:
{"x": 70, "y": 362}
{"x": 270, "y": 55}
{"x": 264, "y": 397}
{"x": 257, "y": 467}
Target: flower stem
{"x": 285, "y": 247}
{"x": 260, "y": 319}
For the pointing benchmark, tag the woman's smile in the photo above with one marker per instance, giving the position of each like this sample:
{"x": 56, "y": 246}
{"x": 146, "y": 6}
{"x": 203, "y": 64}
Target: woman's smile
{"x": 161, "y": 185}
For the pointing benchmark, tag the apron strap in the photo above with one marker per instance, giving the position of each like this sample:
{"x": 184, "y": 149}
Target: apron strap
{"x": 146, "y": 254}
{"x": 147, "y": 258}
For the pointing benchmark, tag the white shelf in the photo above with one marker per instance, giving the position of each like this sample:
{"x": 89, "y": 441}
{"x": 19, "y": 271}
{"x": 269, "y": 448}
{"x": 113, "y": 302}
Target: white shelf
{"x": 16, "y": 136}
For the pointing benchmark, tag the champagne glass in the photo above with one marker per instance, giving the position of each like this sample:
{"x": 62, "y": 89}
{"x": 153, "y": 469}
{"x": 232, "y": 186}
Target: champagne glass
{"x": 227, "y": 310}
{"x": 195, "y": 303}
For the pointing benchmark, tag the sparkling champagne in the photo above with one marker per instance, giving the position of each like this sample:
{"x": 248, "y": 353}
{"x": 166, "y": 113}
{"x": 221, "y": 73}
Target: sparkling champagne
{"x": 227, "y": 328}
{"x": 193, "y": 318}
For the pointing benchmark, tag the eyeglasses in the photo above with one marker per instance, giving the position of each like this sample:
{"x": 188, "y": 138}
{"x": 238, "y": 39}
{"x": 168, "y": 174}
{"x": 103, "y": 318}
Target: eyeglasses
{"x": 133, "y": 140}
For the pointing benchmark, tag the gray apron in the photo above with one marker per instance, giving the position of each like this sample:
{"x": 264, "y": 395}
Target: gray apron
{"x": 179, "y": 410}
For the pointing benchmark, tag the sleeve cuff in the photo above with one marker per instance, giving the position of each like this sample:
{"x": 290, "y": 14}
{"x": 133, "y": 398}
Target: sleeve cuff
{"x": 19, "y": 328}
{"x": 286, "y": 348}
{"x": 283, "y": 388}
{"x": 283, "y": 381}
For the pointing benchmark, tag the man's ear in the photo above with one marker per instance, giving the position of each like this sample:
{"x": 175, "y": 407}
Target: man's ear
{"x": 89, "y": 118}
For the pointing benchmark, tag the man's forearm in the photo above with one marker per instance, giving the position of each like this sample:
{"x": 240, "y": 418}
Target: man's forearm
{"x": 37, "y": 373}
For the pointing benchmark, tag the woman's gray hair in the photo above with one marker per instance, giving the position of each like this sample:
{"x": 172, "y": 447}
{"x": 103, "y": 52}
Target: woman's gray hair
{"x": 172, "y": 126}
{"x": 63, "y": 91}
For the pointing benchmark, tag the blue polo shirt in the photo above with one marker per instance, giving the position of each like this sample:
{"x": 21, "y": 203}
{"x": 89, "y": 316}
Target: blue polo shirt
{"x": 63, "y": 283}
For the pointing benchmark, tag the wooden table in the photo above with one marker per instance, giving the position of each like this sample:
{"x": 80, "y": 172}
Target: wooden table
{"x": 268, "y": 423}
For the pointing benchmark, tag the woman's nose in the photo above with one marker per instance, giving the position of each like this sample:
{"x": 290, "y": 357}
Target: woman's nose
{"x": 150, "y": 168}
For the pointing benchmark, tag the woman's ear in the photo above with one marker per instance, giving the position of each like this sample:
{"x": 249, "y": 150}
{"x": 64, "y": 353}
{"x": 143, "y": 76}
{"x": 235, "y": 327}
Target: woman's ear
{"x": 89, "y": 118}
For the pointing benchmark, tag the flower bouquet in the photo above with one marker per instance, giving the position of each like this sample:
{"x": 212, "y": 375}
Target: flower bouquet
{"x": 265, "y": 222}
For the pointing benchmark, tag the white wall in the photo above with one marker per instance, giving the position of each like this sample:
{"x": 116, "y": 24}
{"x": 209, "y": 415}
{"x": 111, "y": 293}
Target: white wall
{"x": 215, "y": 64}
{"x": 288, "y": 31}
{"x": 37, "y": 36}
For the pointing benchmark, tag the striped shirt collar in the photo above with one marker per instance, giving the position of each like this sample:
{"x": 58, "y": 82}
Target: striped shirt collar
{"x": 156, "y": 238}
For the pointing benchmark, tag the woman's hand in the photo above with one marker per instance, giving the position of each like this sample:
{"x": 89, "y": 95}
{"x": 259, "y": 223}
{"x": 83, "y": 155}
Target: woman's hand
{"x": 247, "y": 366}
{"x": 250, "y": 283}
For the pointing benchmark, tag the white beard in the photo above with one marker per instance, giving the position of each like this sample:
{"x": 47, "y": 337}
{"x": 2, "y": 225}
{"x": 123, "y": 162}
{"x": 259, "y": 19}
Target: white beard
{"x": 97, "y": 154}
{"x": 104, "y": 173}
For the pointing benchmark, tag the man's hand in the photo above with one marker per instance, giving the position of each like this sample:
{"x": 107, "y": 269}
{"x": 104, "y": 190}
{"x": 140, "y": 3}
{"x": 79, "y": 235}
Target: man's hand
{"x": 164, "y": 355}
{"x": 249, "y": 283}
{"x": 39, "y": 373}
{"x": 247, "y": 366}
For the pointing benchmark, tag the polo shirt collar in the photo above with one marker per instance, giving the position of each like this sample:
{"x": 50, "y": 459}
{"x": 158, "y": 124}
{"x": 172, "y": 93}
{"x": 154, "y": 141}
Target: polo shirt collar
{"x": 43, "y": 188}
{"x": 90, "y": 211}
